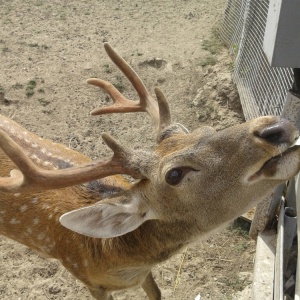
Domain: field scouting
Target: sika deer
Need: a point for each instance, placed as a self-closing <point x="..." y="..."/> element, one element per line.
<point x="188" y="186"/>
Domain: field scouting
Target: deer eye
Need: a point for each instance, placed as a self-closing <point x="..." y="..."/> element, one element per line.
<point x="174" y="176"/>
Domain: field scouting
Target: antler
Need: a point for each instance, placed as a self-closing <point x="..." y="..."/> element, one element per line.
<point x="30" y="177"/>
<point x="159" y="111"/>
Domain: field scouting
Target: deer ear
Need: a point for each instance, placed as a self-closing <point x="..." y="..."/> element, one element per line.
<point x="106" y="220"/>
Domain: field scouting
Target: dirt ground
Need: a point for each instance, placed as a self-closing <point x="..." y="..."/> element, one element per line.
<point x="47" y="51"/>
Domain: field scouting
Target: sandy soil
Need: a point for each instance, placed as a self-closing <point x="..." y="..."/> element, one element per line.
<point x="48" y="50"/>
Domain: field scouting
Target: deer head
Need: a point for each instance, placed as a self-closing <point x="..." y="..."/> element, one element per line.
<point x="204" y="178"/>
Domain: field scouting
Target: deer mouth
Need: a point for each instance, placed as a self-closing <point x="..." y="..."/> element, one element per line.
<point x="282" y="165"/>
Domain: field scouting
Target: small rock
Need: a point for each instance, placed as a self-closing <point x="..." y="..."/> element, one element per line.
<point x="161" y="80"/>
<point x="245" y="276"/>
<point x="54" y="289"/>
<point x="88" y="66"/>
<point x="154" y="62"/>
<point x="167" y="279"/>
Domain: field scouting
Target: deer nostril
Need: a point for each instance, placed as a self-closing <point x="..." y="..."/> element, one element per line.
<point x="272" y="134"/>
<point x="277" y="133"/>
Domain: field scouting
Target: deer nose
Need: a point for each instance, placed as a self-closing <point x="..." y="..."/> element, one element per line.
<point x="281" y="132"/>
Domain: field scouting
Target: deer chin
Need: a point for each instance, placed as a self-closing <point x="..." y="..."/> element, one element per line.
<point x="280" y="167"/>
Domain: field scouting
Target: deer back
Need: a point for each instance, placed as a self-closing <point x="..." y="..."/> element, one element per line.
<point x="33" y="218"/>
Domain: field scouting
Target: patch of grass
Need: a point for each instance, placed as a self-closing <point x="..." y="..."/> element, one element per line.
<point x="2" y="94"/>
<point x="208" y="61"/>
<point x="214" y="44"/>
<point x="236" y="283"/>
<point x="29" y="90"/>
<point x="235" y="49"/>
<point x="62" y="17"/>
<point x="17" y="86"/>
<point x="107" y="68"/>
<point x="42" y="91"/>
<point x="119" y="84"/>
<point x="34" y="45"/>
<point x="47" y="112"/>
<point x="43" y="101"/>
<point x="241" y="227"/>
<point x="241" y="247"/>
<point x="211" y="45"/>
<point x="231" y="66"/>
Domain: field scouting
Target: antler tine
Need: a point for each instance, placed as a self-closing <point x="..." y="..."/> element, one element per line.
<point x="131" y="75"/>
<point x="164" y="110"/>
<point x="124" y="105"/>
<point x="121" y="104"/>
<point x="30" y="177"/>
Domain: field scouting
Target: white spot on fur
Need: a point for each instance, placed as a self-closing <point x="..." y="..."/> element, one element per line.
<point x="23" y="208"/>
<point x="36" y="221"/>
<point x="18" y="136"/>
<point x="46" y="163"/>
<point x="34" y="157"/>
<point x="34" y="145"/>
<point x="45" y="249"/>
<point x="75" y="266"/>
<point x="17" y="195"/>
<point x="85" y="263"/>
<point x="14" y="221"/>
<point x="12" y="131"/>
<point x="41" y="236"/>
<point x="29" y="230"/>
<point x="34" y="200"/>
<point x="45" y="206"/>
<point x="43" y="150"/>
<point x="52" y="245"/>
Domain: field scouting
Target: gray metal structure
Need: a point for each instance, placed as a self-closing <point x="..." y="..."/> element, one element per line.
<point x="266" y="90"/>
<point x="262" y="88"/>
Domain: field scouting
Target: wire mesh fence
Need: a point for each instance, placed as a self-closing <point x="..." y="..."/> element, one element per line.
<point x="262" y="88"/>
